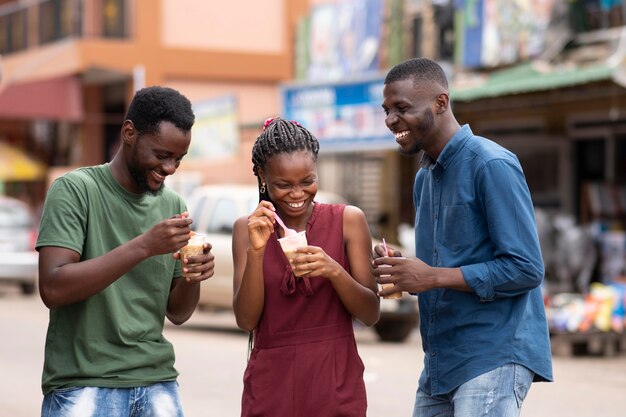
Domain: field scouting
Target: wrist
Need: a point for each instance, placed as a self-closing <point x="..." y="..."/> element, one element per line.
<point x="138" y="248"/>
<point x="254" y="252"/>
<point x="333" y="275"/>
<point x="436" y="278"/>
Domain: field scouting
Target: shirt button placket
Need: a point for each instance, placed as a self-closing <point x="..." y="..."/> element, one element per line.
<point x="436" y="199"/>
<point x="432" y="342"/>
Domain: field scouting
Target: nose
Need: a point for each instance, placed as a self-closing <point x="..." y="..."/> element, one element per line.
<point x="169" y="166"/>
<point x="390" y="120"/>
<point x="296" y="191"/>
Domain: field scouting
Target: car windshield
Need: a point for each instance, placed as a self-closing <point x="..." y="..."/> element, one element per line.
<point x="225" y="213"/>
<point x="13" y="215"/>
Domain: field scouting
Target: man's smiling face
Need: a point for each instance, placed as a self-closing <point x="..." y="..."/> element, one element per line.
<point x="409" y="114"/>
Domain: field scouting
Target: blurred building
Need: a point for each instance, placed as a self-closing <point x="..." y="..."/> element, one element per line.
<point x="548" y="83"/>
<point x="542" y="77"/>
<point x="70" y="67"/>
<point x="545" y="78"/>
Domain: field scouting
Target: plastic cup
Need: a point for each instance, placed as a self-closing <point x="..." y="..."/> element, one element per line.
<point x="194" y="247"/>
<point x="392" y="296"/>
<point x="289" y="244"/>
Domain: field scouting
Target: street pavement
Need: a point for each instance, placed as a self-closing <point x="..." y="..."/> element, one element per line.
<point x="211" y="357"/>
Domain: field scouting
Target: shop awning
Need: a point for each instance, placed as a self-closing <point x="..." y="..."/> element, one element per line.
<point x="16" y="165"/>
<point x="526" y="78"/>
<point x="57" y="98"/>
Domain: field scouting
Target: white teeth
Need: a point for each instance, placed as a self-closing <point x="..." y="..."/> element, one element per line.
<point x="296" y="205"/>
<point x="159" y="176"/>
<point x="400" y="135"/>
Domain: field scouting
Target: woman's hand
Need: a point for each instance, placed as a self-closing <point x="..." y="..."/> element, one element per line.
<point x="314" y="260"/>
<point x="261" y="225"/>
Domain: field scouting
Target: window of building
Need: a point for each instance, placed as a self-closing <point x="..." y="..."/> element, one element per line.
<point x="113" y="19"/>
<point x="590" y="15"/>
<point x="59" y="19"/>
<point x="13" y="34"/>
<point x="542" y="161"/>
<point x="416" y="28"/>
<point x="444" y="17"/>
<point x="620" y="159"/>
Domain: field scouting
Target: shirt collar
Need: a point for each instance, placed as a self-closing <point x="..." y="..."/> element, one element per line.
<point x="451" y="149"/>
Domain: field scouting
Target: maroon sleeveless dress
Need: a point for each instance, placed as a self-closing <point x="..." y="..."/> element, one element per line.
<point x="305" y="362"/>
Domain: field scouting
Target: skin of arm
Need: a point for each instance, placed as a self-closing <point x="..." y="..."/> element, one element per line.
<point x="413" y="275"/>
<point x="250" y="237"/>
<point x="357" y="292"/>
<point x="61" y="273"/>
<point x="185" y="293"/>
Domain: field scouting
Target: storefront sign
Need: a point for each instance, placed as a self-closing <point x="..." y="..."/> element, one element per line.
<point x="344" y="116"/>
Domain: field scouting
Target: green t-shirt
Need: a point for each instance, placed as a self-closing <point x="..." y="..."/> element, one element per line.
<point x="114" y="338"/>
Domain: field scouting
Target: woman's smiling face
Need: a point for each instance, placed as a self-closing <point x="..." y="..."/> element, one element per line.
<point x="291" y="181"/>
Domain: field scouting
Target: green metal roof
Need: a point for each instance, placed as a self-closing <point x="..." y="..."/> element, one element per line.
<point x="524" y="78"/>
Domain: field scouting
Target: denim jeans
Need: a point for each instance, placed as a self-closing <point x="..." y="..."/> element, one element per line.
<point x="158" y="400"/>
<point x="497" y="393"/>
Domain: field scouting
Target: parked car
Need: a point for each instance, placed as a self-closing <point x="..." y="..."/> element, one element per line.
<point x="18" y="258"/>
<point x="214" y="209"/>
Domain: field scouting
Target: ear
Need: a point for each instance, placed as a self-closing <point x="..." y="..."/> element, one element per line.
<point x="442" y="102"/>
<point x="129" y="133"/>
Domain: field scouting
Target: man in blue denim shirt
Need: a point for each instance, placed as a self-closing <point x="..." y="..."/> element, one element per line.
<point x="478" y="268"/>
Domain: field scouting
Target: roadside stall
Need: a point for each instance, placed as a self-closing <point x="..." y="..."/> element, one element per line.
<point x="586" y="274"/>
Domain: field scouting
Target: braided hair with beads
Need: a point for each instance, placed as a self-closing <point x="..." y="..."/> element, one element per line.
<point x="280" y="136"/>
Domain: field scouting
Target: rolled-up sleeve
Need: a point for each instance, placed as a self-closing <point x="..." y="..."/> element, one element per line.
<point x="517" y="265"/>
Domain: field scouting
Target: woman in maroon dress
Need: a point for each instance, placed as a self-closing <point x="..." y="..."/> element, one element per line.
<point x="304" y="362"/>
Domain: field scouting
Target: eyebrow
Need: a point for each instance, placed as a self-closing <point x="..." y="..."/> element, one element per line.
<point x="166" y="152"/>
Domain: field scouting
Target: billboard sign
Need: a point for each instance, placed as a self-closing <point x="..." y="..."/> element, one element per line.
<point x="344" y="39"/>
<point x="344" y="116"/>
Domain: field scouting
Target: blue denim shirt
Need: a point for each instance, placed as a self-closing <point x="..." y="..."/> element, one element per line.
<point x="473" y="211"/>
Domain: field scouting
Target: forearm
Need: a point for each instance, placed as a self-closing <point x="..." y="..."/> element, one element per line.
<point x="183" y="300"/>
<point x="248" y="300"/>
<point x="414" y="276"/>
<point x="451" y="278"/>
<point x="68" y="283"/>
<point x="362" y="302"/>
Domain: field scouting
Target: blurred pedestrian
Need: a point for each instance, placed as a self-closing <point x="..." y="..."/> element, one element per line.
<point x="478" y="268"/>
<point x="305" y="360"/>
<point x="108" y="275"/>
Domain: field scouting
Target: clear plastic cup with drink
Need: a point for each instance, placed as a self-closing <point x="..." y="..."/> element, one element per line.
<point x="395" y="295"/>
<point x="289" y="244"/>
<point x="194" y="247"/>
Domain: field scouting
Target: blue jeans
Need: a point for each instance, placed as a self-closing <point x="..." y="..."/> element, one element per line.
<point x="497" y="393"/>
<point x="158" y="400"/>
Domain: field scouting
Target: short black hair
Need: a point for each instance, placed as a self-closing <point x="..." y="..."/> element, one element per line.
<point x="419" y="69"/>
<point x="152" y="105"/>
<point x="280" y="136"/>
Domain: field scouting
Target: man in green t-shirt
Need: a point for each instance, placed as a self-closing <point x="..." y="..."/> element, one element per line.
<point x="108" y="275"/>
